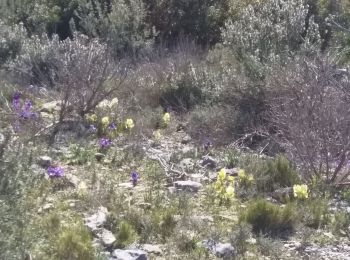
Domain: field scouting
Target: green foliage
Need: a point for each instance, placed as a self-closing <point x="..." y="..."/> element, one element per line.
<point x="78" y="155"/>
<point x="12" y="40"/>
<point x="164" y="221"/>
<point x="74" y="243"/>
<point x="239" y="238"/>
<point x="125" y="234"/>
<point x="276" y="173"/>
<point x="232" y="159"/>
<point x="183" y="92"/>
<point x="121" y="24"/>
<point x="267" y="33"/>
<point x="340" y="223"/>
<point x="186" y="243"/>
<point x="268" y="246"/>
<point x="268" y="218"/>
<point x="195" y="19"/>
<point x="315" y="213"/>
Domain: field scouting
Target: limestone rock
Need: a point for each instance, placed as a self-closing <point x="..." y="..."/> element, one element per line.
<point x="209" y="162"/>
<point x="107" y="237"/>
<point x="44" y="161"/>
<point x="96" y="220"/>
<point x="134" y="254"/>
<point x="152" y="249"/>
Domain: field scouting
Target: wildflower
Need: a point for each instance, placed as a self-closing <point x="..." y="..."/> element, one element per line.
<point x="230" y="191"/>
<point x="105" y="143"/>
<point x="103" y="104"/>
<point x="129" y="123"/>
<point x="92" y="129"/>
<point x="16" y="101"/>
<point x="26" y="112"/>
<point x="207" y="144"/>
<point x="91" y="118"/>
<point x="134" y="177"/>
<point x="166" y="118"/>
<point x="113" y="102"/>
<point x="157" y="135"/>
<point x="241" y="174"/>
<point x="55" y="171"/>
<point x="222" y="174"/>
<point x="82" y="188"/>
<point x="112" y="126"/>
<point x="301" y="191"/>
<point x="108" y="104"/>
<point x="231" y="179"/>
<point x="105" y="121"/>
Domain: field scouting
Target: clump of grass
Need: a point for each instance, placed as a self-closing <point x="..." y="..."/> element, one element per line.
<point x="74" y="243"/>
<point x="315" y="212"/>
<point x="269" y="247"/>
<point x="239" y="238"/>
<point x="126" y="234"/>
<point x="271" y="174"/>
<point x="268" y="218"/>
<point x="340" y="223"/>
<point x="164" y="221"/>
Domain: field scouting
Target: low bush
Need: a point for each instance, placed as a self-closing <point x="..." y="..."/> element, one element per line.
<point x="268" y="218"/>
<point x="315" y="213"/>
<point x="276" y="173"/>
<point x="74" y="243"/>
<point x="126" y="234"/>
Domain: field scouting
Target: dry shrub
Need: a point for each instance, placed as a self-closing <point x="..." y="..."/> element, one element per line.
<point x="310" y="104"/>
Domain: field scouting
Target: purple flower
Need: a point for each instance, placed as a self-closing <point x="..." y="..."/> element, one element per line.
<point x="92" y="129"/>
<point x="27" y="112"/>
<point x="207" y="144"/>
<point x="134" y="177"/>
<point x="55" y="171"/>
<point x="16" y="100"/>
<point x="112" y="126"/>
<point x="105" y="143"/>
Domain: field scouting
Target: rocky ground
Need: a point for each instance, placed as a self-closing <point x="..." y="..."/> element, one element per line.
<point x="189" y="169"/>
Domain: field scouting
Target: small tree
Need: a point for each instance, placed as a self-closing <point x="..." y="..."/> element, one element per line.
<point x="310" y="105"/>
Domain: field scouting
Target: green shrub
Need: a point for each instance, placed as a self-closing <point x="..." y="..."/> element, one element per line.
<point x="78" y="155"/>
<point x="125" y="234"/>
<point x="268" y="218"/>
<point x="164" y="221"/>
<point x="341" y="223"/>
<point x="276" y="173"/>
<point x="239" y="238"/>
<point x="315" y="213"/>
<point x="199" y="20"/>
<point x="12" y="40"/>
<point x="74" y="243"/>
<point x="121" y="24"/>
<point x="268" y="33"/>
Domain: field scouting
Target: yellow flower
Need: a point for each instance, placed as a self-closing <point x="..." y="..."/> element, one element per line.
<point x="166" y="118"/>
<point x="91" y="118"/>
<point x="222" y="174"/>
<point x="103" y="104"/>
<point x="129" y="123"/>
<point x="301" y="191"/>
<point x="230" y="191"/>
<point x="231" y="179"/>
<point x="107" y="104"/>
<point x="250" y="178"/>
<point x="241" y="174"/>
<point x="113" y="102"/>
<point x="157" y="135"/>
<point x="82" y="188"/>
<point x="105" y="121"/>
